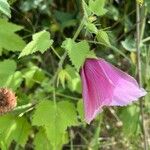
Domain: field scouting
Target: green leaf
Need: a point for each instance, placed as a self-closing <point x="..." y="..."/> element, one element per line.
<point x="41" y="141"/>
<point x="12" y="128"/>
<point x="86" y="9"/>
<point x="40" y="42"/>
<point x="14" y="80"/>
<point x="113" y="12"/>
<point x="130" y="118"/>
<point x="140" y="2"/>
<point x="74" y="83"/>
<point x="7" y="68"/>
<point x="33" y="75"/>
<point x="55" y="119"/>
<point x="5" y="8"/>
<point x="77" y="52"/>
<point x="91" y="27"/>
<point x="129" y="44"/>
<point x="22" y="131"/>
<point x="97" y="7"/>
<point x="10" y="41"/>
<point x="103" y="38"/>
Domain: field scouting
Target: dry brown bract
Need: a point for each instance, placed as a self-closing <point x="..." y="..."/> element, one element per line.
<point x="7" y="100"/>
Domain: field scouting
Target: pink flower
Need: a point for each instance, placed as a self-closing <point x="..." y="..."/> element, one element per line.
<point x="105" y="85"/>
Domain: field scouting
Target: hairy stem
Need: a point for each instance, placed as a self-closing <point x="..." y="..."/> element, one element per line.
<point x="139" y="72"/>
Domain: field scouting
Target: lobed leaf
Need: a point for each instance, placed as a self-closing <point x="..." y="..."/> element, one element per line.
<point x="55" y="119"/>
<point x="97" y="7"/>
<point x="77" y="52"/>
<point x="40" y="42"/>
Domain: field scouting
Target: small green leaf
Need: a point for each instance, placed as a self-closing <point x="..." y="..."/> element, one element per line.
<point x="77" y="52"/>
<point x="103" y="38"/>
<point x="7" y="68"/>
<point x="10" y="41"/>
<point x="40" y="42"/>
<point x="129" y="44"/>
<point x="5" y="8"/>
<point x="91" y="27"/>
<point x="97" y="7"/>
<point x="140" y="2"/>
<point x="55" y="119"/>
<point x="62" y="77"/>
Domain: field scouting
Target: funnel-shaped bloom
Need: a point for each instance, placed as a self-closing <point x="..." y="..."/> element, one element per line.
<point x="106" y="85"/>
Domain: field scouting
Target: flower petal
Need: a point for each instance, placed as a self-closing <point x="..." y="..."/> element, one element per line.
<point x="97" y="88"/>
<point x="126" y="87"/>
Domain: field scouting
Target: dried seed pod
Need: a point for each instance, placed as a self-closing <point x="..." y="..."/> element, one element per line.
<point x="7" y="100"/>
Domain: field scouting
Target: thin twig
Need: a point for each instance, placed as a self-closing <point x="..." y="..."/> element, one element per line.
<point x="139" y="72"/>
<point x="55" y="52"/>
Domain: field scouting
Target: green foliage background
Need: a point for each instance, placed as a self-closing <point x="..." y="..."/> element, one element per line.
<point x="43" y="45"/>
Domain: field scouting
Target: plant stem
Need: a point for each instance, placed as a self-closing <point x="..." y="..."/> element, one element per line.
<point x="113" y="48"/>
<point x="143" y="21"/>
<point x="146" y="39"/>
<point x="54" y="97"/>
<point x="62" y="59"/>
<point x="139" y="72"/>
<point x="55" y="52"/>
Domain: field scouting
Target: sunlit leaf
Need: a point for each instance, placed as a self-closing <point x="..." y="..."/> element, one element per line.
<point x="55" y="119"/>
<point x="40" y="42"/>
<point x="41" y="141"/>
<point x="7" y="68"/>
<point x="10" y="40"/>
<point x="5" y="8"/>
<point x="103" y="38"/>
<point x="91" y="27"/>
<point x="97" y="7"/>
<point x="13" y="128"/>
<point x="77" y="52"/>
